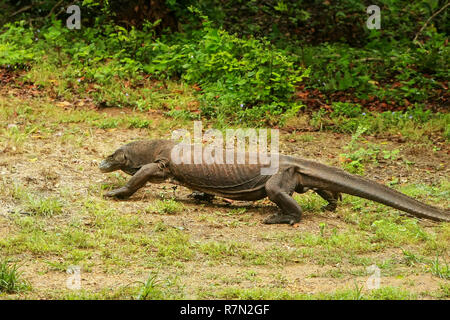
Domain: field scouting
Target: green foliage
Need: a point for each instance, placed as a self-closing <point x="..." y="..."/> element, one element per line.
<point x="44" y="206"/>
<point x="238" y="78"/>
<point x="158" y="289"/>
<point x="246" y="58"/>
<point x="108" y="123"/>
<point x="356" y="156"/>
<point x="441" y="270"/>
<point x="167" y="206"/>
<point x="317" y="20"/>
<point x="136" y="122"/>
<point x="16" y="45"/>
<point x="342" y="53"/>
<point x="412" y="123"/>
<point x="151" y="289"/>
<point x="10" y="281"/>
<point x="235" y="75"/>
<point x="346" y="109"/>
<point x="339" y="67"/>
<point x="36" y="204"/>
<point x="397" y="234"/>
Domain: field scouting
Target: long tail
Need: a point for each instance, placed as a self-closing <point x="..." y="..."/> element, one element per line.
<point x="318" y="175"/>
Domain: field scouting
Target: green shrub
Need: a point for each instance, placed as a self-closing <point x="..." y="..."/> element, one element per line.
<point x="233" y="75"/>
<point x="16" y="45"/>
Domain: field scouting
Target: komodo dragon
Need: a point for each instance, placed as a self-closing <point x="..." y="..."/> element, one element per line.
<point x="150" y="161"/>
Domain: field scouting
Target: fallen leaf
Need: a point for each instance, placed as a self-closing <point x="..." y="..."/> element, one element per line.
<point x="63" y="104"/>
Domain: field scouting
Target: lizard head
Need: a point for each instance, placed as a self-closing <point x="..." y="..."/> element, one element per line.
<point x="130" y="157"/>
<point x="119" y="160"/>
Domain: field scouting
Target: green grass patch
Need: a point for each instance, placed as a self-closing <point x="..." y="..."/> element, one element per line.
<point x="10" y="278"/>
<point x="166" y="206"/>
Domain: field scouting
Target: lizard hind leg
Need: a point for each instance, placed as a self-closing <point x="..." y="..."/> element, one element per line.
<point x="331" y="197"/>
<point x="279" y="189"/>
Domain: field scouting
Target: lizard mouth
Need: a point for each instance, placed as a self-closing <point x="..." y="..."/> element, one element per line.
<point x="105" y="166"/>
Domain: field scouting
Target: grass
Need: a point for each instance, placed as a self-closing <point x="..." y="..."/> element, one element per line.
<point x="32" y="204"/>
<point x="386" y="293"/>
<point x="150" y="289"/>
<point x="411" y="128"/>
<point x="10" y="278"/>
<point x="158" y="289"/>
<point x="440" y="269"/>
<point x="167" y="206"/>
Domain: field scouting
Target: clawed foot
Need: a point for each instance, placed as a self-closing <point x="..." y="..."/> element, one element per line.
<point x="121" y="193"/>
<point x="282" y="219"/>
<point x="201" y="196"/>
<point x="329" y="207"/>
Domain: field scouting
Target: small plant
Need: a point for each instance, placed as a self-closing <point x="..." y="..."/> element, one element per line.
<point x="138" y="123"/>
<point x="440" y="270"/>
<point x="167" y="206"/>
<point x="42" y="206"/>
<point x="355" y="137"/>
<point x="108" y="123"/>
<point x="35" y="204"/>
<point x="151" y="289"/>
<point x="182" y="114"/>
<point x="358" y="294"/>
<point x="317" y="119"/>
<point x="346" y="109"/>
<point x="410" y="258"/>
<point x="391" y="154"/>
<point x="10" y="278"/>
<point x="322" y="227"/>
<point x="356" y="156"/>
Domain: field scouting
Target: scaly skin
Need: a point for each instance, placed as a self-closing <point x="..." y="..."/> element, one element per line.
<point x="150" y="161"/>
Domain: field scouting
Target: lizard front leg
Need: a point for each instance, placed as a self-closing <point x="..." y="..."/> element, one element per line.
<point x="151" y="172"/>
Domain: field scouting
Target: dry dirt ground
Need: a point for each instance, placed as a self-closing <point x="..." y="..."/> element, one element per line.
<point x="49" y="151"/>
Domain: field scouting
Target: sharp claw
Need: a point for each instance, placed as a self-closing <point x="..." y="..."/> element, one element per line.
<point x="281" y="219"/>
<point x="117" y="193"/>
<point x="329" y="207"/>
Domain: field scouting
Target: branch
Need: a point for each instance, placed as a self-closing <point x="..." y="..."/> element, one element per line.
<point x="429" y="19"/>
<point x="53" y="9"/>
<point x="59" y="3"/>
<point x="26" y="8"/>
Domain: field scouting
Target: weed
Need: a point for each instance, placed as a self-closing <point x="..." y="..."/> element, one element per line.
<point x="166" y="206"/>
<point x="151" y="289"/>
<point x="10" y="281"/>
<point x="440" y="270"/>
<point x="42" y="206"/>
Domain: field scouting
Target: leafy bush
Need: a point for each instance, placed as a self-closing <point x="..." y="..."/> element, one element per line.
<point x="245" y="69"/>
<point x="232" y="74"/>
<point x="346" y="109"/>
<point x="16" y="45"/>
